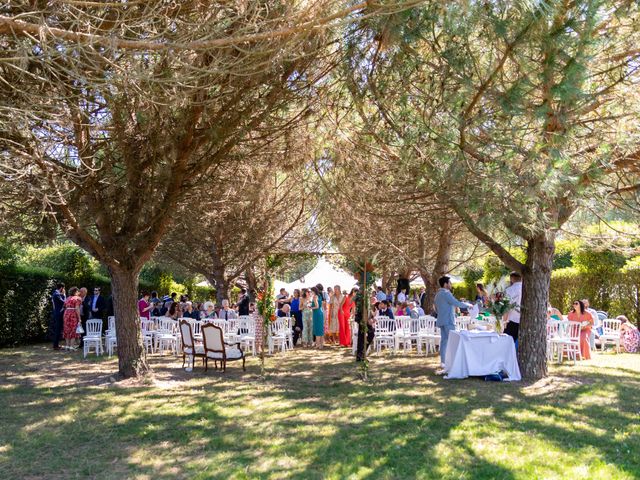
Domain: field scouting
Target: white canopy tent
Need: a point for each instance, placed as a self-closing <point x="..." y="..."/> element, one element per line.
<point x="325" y="273"/>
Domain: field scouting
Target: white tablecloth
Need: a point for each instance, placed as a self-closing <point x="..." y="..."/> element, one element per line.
<point x="471" y="353"/>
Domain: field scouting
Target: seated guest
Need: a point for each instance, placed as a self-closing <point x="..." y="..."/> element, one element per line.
<point x="553" y="313"/>
<point x="414" y="312"/>
<point x="225" y="312"/>
<point x="403" y="310"/>
<point x="285" y="311"/>
<point x="157" y="304"/>
<point x="579" y="314"/>
<point x="464" y="310"/>
<point x="190" y="312"/>
<point x="209" y="311"/>
<point x="174" y="311"/>
<point x="252" y="308"/>
<point x="629" y="335"/>
<point x="385" y="310"/>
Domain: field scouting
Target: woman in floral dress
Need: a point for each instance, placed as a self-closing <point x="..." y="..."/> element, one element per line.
<point x="629" y="335"/>
<point x="71" y="317"/>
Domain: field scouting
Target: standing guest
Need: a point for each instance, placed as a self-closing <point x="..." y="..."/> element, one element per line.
<point x="226" y="313"/>
<point x="296" y="313"/>
<point x="209" y="311"/>
<point x="190" y="312"/>
<point x="422" y="299"/>
<point x="144" y="307"/>
<point x="333" y="325"/>
<point x="629" y="335"/>
<point x="482" y="297"/>
<point x="95" y="304"/>
<point x="579" y="314"/>
<point x="243" y="302"/>
<point x="445" y="304"/>
<point x="344" y="319"/>
<point x="596" y="323"/>
<point x="512" y="317"/>
<point x="57" y="301"/>
<point x="385" y="310"/>
<point x="110" y="310"/>
<point x="318" y="317"/>
<point x="380" y="295"/>
<point x="282" y="298"/>
<point x="93" y="307"/>
<point x="306" y="299"/>
<point x="169" y="301"/>
<point x="72" y="312"/>
<point x="389" y="296"/>
<point x="402" y="297"/>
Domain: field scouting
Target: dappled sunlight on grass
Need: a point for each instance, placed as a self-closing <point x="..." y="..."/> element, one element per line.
<point x="312" y="417"/>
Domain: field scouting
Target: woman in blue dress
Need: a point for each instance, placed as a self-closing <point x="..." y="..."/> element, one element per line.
<point x="318" y="318"/>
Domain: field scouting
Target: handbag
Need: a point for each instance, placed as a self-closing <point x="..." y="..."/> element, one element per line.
<point x="79" y="329"/>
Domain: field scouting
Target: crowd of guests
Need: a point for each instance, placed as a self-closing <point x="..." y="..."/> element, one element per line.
<point x="71" y="310"/>
<point x="172" y="306"/>
<point x="320" y="316"/>
<point x="324" y="316"/>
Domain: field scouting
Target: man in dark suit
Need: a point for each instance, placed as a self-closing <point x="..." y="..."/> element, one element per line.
<point x="243" y="304"/>
<point x="95" y="304"/>
<point x="57" y="300"/>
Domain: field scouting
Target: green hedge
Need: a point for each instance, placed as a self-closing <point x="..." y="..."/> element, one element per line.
<point x="616" y="292"/>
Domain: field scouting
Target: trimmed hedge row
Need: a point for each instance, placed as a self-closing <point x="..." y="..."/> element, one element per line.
<point x="25" y="306"/>
<point x="617" y="293"/>
<point x="25" y="299"/>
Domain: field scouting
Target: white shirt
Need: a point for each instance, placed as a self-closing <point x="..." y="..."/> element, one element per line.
<point x="514" y="292"/>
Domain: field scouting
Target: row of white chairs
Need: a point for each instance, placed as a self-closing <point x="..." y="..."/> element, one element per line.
<point x="563" y="338"/>
<point x="93" y="339"/>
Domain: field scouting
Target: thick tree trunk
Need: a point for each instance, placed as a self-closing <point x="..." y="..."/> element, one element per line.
<point x="440" y="267"/>
<point x="222" y="288"/>
<point x="131" y="354"/>
<point x="532" y="344"/>
<point x="252" y="283"/>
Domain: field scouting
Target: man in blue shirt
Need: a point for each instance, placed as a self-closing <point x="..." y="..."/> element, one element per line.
<point x="445" y="304"/>
<point x="380" y="295"/>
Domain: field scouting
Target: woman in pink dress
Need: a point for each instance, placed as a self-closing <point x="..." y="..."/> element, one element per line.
<point x="629" y="335"/>
<point x="579" y="314"/>
<point x="344" y="318"/>
<point x="71" y="317"/>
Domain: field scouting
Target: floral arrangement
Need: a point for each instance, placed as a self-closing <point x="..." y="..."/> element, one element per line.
<point x="499" y="304"/>
<point x="264" y="302"/>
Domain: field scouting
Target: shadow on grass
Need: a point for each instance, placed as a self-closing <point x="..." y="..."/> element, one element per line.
<point x="312" y="418"/>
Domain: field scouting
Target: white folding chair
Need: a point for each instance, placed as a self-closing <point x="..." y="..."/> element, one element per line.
<point x="277" y="335"/>
<point x="462" y="323"/>
<point x="247" y="333"/>
<point x="552" y="333"/>
<point x="147" y="328"/>
<point x="93" y="337"/>
<point x="610" y="333"/>
<point x="567" y="341"/>
<point x="428" y="334"/>
<point x="166" y="339"/>
<point x="404" y="335"/>
<point x="384" y="334"/>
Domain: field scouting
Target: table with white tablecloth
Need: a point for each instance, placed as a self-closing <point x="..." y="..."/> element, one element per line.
<point x="478" y="353"/>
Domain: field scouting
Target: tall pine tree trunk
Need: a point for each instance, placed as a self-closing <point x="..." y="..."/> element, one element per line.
<point x="131" y="354"/>
<point x="532" y="344"/>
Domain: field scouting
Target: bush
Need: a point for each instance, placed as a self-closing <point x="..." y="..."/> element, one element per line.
<point x="67" y="259"/>
<point x="617" y="293"/>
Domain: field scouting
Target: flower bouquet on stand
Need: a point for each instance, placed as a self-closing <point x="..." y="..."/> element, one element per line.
<point x="499" y="304"/>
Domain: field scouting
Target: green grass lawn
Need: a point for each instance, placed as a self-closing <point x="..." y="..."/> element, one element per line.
<point x="63" y="417"/>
